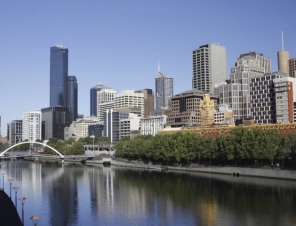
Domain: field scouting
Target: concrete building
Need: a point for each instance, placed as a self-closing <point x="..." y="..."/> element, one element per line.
<point x="72" y="95"/>
<point x="283" y="59"/>
<point x="103" y="107"/>
<point x="112" y="125"/>
<point x="236" y="92"/>
<point x="209" y="67"/>
<point x="150" y="125"/>
<point x="128" y="98"/>
<point x="222" y="114"/>
<point x="132" y="123"/>
<point x="164" y="90"/>
<point x="148" y="101"/>
<point x="104" y="95"/>
<point x="54" y="120"/>
<point x="96" y="130"/>
<point x="32" y="126"/>
<point x="262" y="97"/>
<point x="80" y="128"/>
<point x="285" y="99"/>
<point x="292" y="68"/>
<point x="186" y="108"/>
<point x="15" y="132"/>
<point x="93" y="98"/>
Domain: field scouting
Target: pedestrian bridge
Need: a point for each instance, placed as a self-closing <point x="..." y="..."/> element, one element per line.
<point x="2" y="155"/>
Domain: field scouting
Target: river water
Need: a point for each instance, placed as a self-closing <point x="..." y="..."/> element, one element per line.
<point x="96" y="195"/>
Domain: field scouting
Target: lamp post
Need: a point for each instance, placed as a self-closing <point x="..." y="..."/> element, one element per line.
<point x="3" y="181"/>
<point x="35" y="220"/>
<point x="93" y="137"/>
<point x="15" y="201"/>
<point x="23" y="199"/>
<point x="10" y="181"/>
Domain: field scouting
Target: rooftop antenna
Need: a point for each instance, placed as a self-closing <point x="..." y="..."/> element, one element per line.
<point x="282" y="41"/>
<point x="158" y="66"/>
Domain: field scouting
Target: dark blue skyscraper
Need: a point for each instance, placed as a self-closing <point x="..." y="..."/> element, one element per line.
<point x="58" y="76"/>
<point x="72" y="96"/>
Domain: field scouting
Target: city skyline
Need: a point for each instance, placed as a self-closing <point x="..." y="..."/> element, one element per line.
<point x="117" y="45"/>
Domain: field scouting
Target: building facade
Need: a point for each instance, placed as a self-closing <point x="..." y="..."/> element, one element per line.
<point x="93" y="98"/>
<point x="58" y="76"/>
<point x="72" y="89"/>
<point x="54" y="121"/>
<point x="164" y="90"/>
<point x="148" y="101"/>
<point x="15" y="132"/>
<point x="129" y="125"/>
<point x="31" y="126"/>
<point x="150" y="125"/>
<point x="292" y="68"/>
<point x="209" y="67"/>
<point x="105" y="95"/>
<point x="186" y="108"/>
<point x="103" y="107"/>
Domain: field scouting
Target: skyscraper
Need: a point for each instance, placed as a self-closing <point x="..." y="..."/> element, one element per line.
<point x="209" y="67"/>
<point x="93" y="98"/>
<point x="72" y="89"/>
<point x="58" y="76"/>
<point x="163" y="92"/>
<point x="31" y="126"/>
<point x="148" y="101"/>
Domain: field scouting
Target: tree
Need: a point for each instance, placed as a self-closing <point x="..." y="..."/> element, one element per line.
<point x="256" y="144"/>
<point x="272" y="144"/>
<point x="77" y="149"/>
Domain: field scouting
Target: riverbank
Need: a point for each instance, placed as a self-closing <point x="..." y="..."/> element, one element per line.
<point x="235" y="171"/>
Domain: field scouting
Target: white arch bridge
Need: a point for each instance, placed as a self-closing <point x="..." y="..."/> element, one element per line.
<point x="31" y="142"/>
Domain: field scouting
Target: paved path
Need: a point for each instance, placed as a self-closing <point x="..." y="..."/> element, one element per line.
<point x="8" y="212"/>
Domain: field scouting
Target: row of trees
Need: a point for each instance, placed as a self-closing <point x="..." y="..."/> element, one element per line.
<point x="240" y="146"/>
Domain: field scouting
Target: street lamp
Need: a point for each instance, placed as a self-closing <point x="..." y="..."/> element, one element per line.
<point x="3" y="181"/>
<point x="93" y="137"/>
<point x="10" y="181"/>
<point x="15" y="201"/>
<point x="23" y="199"/>
<point x="35" y="220"/>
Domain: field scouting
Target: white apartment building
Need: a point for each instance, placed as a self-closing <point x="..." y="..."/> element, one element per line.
<point x="209" y="67"/>
<point x="128" y="98"/>
<point x="103" y="96"/>
<point x="79" y="128"/>
<point x="31" y="126"/>
<point x="151" y="125"/>
<point x="103" y="107"/>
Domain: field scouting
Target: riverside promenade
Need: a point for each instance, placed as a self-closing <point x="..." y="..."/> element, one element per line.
<point x="8" y="212"/>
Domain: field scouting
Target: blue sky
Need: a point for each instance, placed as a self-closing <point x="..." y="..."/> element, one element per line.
<point x="118" y="43"/>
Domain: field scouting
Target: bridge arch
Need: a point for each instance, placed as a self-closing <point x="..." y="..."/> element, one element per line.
<point x="29" y="142"/>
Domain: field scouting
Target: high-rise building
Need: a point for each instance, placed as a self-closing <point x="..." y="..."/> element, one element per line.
<point x="58" y="76"/>
<point x="54" y="120"/>
<point x="148" y="101"/>
<point x="93" y="98"/>
<point x="209" y="67"/>
<point x="15" y="132"/>
<point x="128" y="98"/>
<point x="292" y="67"/>
<point x="163" y="92"/>
<point x="31" y="126"/>
<point x="112" y="125"/>
<point x="105" y="95"/>
<point x="72" y="89"/>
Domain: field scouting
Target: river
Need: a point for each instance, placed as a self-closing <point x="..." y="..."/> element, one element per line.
<point x="96" y="195"/>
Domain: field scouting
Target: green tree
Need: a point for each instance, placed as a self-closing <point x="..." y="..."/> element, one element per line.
<point x="77" y="149"/>
<point x="272" y="144"/>
<point x="256" y="143"/>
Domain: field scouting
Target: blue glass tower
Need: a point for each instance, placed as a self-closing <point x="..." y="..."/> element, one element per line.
<point x="58" y="76"/>
<point x="72" y="96"/>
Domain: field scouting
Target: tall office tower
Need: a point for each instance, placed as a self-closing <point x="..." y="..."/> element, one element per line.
<point x="237" y="92"/>
<point x="93" y="98"/>
<point x="209" y="67"/>
<point x="54" y="120"/>
<point x="292" y="67"/>
<point x="103" y="96"/>
<point x="31" y="126"/>
<point x="15" y="132"/>
<point x="283" y="59"/>
<point x="58" y="76"/>
<point x="148" y="101"/>
<point x="72" y="88"/>
<point x="128" y="98"/>
<point x="163" y="91"/>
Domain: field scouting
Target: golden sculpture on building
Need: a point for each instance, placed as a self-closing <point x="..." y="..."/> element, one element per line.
<point x="207" y="110"/>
